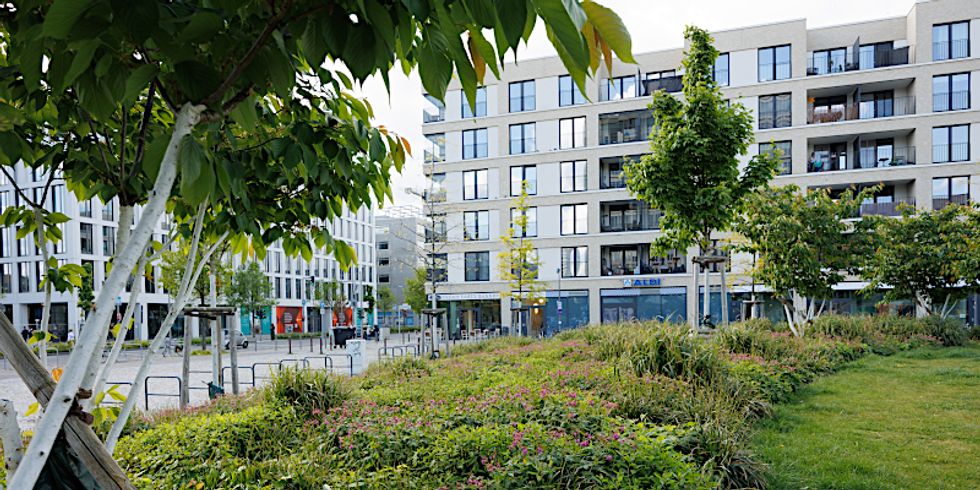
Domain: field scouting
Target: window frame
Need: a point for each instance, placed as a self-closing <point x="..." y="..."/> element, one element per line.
<point x="481" y="258"/>
<point x="573" y="164"/>
<point x="774" y="71"/>
<point x="476" y="226"/>
<point x="464" y="107"/>
<point x="728" y="70"/>
<point x="475" y="146"/>
<point x="612" y="81"/>
<point x="526" y="145"/>
<point x="532" y="184"/>
<point x="476" y="173"/>
<point x="775" y="111"/>
<point x="579" y="256"/>
<point x="575" y="96"/>
<point x="528" y="231"/>
<point x="577" y="133"/>
<point x="576" y="220"/>
<point x="949" y="91"/>
<point x="787" y="158"/>
<point x="523" y="97"/>
<point x="948" y="142"/>
<point x="949" y="40"/>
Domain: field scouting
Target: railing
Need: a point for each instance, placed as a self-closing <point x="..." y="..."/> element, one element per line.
<point x="892" y="208"/>
<point x="669" y="84"/>
<point x="939" y="202"/>
<point x="956" y="152"/>
<point x="870" y="157"/>
<point x="431" y="116"/>
<point x="433" y="156"/>
<point x="863" y="61"/>
<point x="629" y="220"/>
<point x="644" y="269"/>
<point x="896" y="106"/>
<point x="951" y="101"/>
<point x="949" y="50"/>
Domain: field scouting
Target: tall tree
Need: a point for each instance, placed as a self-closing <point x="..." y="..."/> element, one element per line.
<point x="931" y="258"/>
<point x="386" y="299"/>
<point x="692" y="172"/>
<point x="805" y="245"/>
<point x="250" y="290"/>
<point x="519" y="263"/>
<point x="415" y="290"/>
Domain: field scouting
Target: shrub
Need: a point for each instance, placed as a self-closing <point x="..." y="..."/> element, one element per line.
<point x="948" y="331"/>
<point x="655" y="349"/>
<point x="308" y="390"/>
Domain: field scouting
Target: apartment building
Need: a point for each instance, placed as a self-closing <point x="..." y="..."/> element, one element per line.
<point x="400" y="241"/>
<point x="894" y="102"/>
<point x="90" y="239"/>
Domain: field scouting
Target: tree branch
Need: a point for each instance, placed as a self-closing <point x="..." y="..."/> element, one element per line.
<point x="144" y="124"/>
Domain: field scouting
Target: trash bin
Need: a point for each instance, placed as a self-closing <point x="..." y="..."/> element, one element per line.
<point x="341" y="335"/>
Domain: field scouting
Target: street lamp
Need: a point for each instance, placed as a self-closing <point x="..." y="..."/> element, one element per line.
<point x="558" y="270"/>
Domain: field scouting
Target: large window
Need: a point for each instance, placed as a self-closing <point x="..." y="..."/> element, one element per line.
<point x="481" y="104"/>
<point x="720" y="71"/>
<point x="575" y="261"/>
<point x="575" y="219"/>
<point x="23" y="277"/>
<point x="108" y="241"/>
<point x="951" y="41"/>
<point x="475" y="184"/>
<point x="437" y="265"/>
<point x="108" y="211"/>
<point x="438" y="191"/>
<point x="435" y="150"/>
<point x="571" y="132"/>
<point x="620" y="88"/>
<point x="6" y="278"/>
<point x="783" y="150"/>
<point x="775" y="111"/>
<point x="951" y="143"/>
<point x="774" y="63"/>
<point x="828" y="61"/>
<point x="86" y="238"/>
<point x="477" y="266"/>
<point x="476" y="225"/>
<point x="521" y="174"/>
<point x="951" y="92"/>
<point x="573" y="176"/>
<point x="568" y="92"/>
<point x="530" y="229"/>
<point x="522" y="96"/>
<point x="522" y="138"/>
<point x="474" y="143"/>
<point x="433" y="111"/>
<point x="85" y="208"/>
<point x="950" y="190"/>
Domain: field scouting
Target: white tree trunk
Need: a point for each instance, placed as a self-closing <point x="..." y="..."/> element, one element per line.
<point x="92" y="336"/>
<point x="13" y="443"/>
<point x="42" y="344"/>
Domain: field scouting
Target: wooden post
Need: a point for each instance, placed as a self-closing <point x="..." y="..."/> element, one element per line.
<point x="79" y="435"/>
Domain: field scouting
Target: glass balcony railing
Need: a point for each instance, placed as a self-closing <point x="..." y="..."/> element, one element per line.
<point x="939" y="202"/>
<point x="949" y="50"/>
<point x="869" y="157"/>
<point x="945" y="153"/>
<point x="629" y="220"/>
<point x="624" y="127"/>
<point x="951" y="101"/>
<point x="884" y="208"/>
<point x="872" y="109"/>
<point x="845" y="59"/>
<point x="669" y="84"/>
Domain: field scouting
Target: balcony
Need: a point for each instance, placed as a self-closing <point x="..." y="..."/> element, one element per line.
<point x="831" y="160"/>
<point x="434" y="110"/>
<point x="628" y="216"/>
<point x="844" y="59"/>
<point x="624" y="127"/>
<point x="884" y="207"/>
<point x="872" y="109"/>
<point x="669" y="84"/>
<point x="634" y="260"/>
<point x="941" y="201"/>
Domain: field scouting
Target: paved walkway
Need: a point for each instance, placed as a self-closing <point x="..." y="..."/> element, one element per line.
<point x="264" y="355"/>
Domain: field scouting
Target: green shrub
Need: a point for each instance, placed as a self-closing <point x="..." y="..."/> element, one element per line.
<point x="310" y="391"/>
<point x="656" y="349"/>
<point x="948" y="331"/>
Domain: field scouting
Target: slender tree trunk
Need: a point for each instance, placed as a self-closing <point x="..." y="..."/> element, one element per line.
<point x="117" y="343"/>
<point x="42" y="344"/>
<point x="185" y="361"/>
<point x="13" y="443"/>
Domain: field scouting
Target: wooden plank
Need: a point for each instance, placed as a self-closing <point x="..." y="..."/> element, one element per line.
<point x="79" y="435"/>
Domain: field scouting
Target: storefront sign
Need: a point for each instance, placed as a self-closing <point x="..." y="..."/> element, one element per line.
<point x="648" y="282"/>
<point x="465" y="296"/>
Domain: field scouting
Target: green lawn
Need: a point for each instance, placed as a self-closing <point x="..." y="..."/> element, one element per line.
<point x="911" y="420"/>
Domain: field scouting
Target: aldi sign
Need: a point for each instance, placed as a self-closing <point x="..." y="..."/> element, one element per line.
<point x="641" y="283"/>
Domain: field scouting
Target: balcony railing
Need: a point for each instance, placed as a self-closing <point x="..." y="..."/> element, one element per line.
<point x="870" y="157"/>
<point x="434" y="156"/>
<point x="891" y="208"/>
<point x="956" y="152"/>
<point x="946" y="50"/>
<point x="951" y="101"/>
<point x="939" y="202"/>
<point x="669" y="84"/>
<point x="851" y="62"/>
<point x="629" y="220"/>
<point x="431" y="116"/>
<point x="897" y="106"/>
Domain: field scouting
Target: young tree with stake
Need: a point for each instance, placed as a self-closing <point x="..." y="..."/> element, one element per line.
<point x="519" y="261"/>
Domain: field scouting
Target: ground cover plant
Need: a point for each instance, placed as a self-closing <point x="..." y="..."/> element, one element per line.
<point x="611" y="406"/>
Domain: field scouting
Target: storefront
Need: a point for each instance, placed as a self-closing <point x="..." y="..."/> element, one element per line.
<point x="471" y="311"/>
<point x="289" y="319"/>
<point x="643" y="299"/>
<point x="573" y="313"/>
<point x="261" y="321"/>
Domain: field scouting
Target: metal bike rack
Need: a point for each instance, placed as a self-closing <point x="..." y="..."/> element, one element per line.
<point x="147" y="393"/>
<point x="303" y="362"/>
<point x="256" y="377"/>
<point x="350" y="362"/>
<point x="327" y="361"/>
<point x="199" y="371"/>
<point x="225" y="379"/>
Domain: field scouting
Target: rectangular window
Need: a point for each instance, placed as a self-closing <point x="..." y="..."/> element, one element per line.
<point x="522" y="138"/>
<point x="575" y="261"/>
<point x="521" y="174"/>
<point x="521" y="96"/>
<point x="951" y="143"/>
<point x="432" y="111"/>
<point x="85" y="208"/>
<point x="720" y="71"/>
<point x="4" y="243"/>
<point x="438" y="190"/>
<point x="474" y="184"/>
<point x="108" y="241"/>
<point x="827" y="61"/>
<point x="382" y="245"/>
<point x="289" y="288"/>
<point x="951" y="92"/>
<point x="474" y="143"/>
<point x="435" y="148"/>
<point x="951" y="41"/>
<point x="775" y="111"/>
<point x="783" y="150"/>
<point x="108" y="211"/>
<point x="620" y="88"/>
<point x="950" y="190"/>
<point x="23" y="277"/>
<point x="437" y="266"/>
<point x="573" y="176"/>
<point x="87" y="239"/>
<point x="477" y="266"/>
<point x="481" y="104"/>
<point x="574" y="219"/>
<point x="571" y="133"/>
<point x="530" y="229"/>
<point x="384" y="262"/>
<point x="568" y="92"/>
<point x="6" y="278"/>
<point x="774" y="63"/>
<point x="476" y="225"/>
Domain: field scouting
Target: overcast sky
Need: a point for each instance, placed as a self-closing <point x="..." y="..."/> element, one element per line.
<point x="653" y="25"/>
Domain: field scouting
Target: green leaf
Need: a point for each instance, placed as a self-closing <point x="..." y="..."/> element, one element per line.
<point x="196" y="174"/>
<point x="154" y="155"/>
<point x="137" y="81"/>
<point x="62" y="16"/>
<point x="565" y="18"/>
<point x="202" y="26"/>
<point x="115" y="394"/>
<point x="80" y="63"/>
<point x="380" y="20"/>
<point x="511" y="16"/>
<point x="32" y="409"/>
<point x="611" y="28"/>
<point x="196" y="79"/>
<point x="486" y="51"/>
<point x="138" y="17"/>
<point x="245" y="114"/>
<point x="435" y="70"/>
<point x="483" y="12"/>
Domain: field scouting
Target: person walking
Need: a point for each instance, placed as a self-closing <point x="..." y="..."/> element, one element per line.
<point x="24" y="332"/>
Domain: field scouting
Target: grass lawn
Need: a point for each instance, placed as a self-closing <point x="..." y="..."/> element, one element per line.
<point x="911" y="420"/>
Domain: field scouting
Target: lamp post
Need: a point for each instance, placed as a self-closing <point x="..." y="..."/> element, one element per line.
<point x="559" y="298"/>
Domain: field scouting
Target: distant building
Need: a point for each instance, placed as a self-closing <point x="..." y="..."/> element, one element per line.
<point x="400" y="233"/>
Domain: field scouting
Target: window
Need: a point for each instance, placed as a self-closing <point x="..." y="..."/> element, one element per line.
<point x="474" y="143"/>
<point x="6" y="278"/>
<point x="521" y="138"/>
<point x="384" y="262"/>
<point x="827" y="61"/>
<point x="23" y="277"/>
<point x="951" y="92"/>
<point x="571" y="132"/>
<point x="438" y="191"/>
<point x="568" y="92"/>
<point x="37" y="174"/>
<point x="951" y="41"/>
<point x="435" y="150"/>
<point x="477" y="266"/>
<point x="521" y="174"/>
<point x="433" y="111"/>
<point x="575" y="261"/>
<point x="522" y="96"/>
<point x="437" y="264"/>
<point x="108" y="241"/>
<point x="573" y="176"/>
<point x="529" y="229"/>
<point x="383" y="278"/>
<point x="620" y="88"/>
<point x="108" y="212"/>
<point x="783" y="150"/>
<point x="880" y="54"/>
<point x="87" y="240"/>
<point x="775" y="111"/>
<point x="950" y="190"/>
<point x="85" y="208"/>
<point x="481" y="104"/>
<point x="289" y="288"/>
<point x="39" y="270"/>
<point x="720" y="71"/>
<point x="951" y="143"/>
<point x="574" y="219"/>
<point x="381" y="246"/>
<point x="774" y="63"/>
<point x="474" y="184"/>
<point x="476" y="225"/>
<point x="880" y="104"/>
<point x="4" y="243"/>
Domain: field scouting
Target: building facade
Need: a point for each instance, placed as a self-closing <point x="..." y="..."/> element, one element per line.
<point x="400" y="238"/>
<point x="894" y="102"/>
<point x="90" y="240"/>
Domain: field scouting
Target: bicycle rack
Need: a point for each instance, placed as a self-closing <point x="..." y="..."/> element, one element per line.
<point x="225" y="379"/>
<point x="271" y="365"/>
<point x="304" y="362"/>
<point x="199" y="371"/>
<point x="327" y="361"/>
<point x="147" y="393"/>
<point x="350" y="362"/>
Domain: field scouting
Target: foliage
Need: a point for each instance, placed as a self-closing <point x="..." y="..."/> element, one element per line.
<point x="519" y="262"/>
<point x="172" y="267"/>
<point x="306" y="390"/>
<point x="415" y="292"/>
<point x="804" y="245"/>
<point x="250" y="289"/>
<point x="386" y="299"/>
<point x="931" y="258"/>
<point x="692" y="172"/>
<point x="86" y="293"/>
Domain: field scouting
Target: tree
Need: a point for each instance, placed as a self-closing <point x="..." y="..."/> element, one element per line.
<point x="415" y="290"/>
<point x="172" y="271"/>
<point x="519" y="261"/>
<point x="386" y="299"/>
<point x="86" y="295"/>
<point x="931" y="258"/>
<point x="250" y="290"/>
<point x="231" y="98"/>
<point x="804" y="245"/>
<point x="692" y="172"/>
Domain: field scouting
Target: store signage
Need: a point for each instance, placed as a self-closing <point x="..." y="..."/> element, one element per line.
<point x="641" y="283"/>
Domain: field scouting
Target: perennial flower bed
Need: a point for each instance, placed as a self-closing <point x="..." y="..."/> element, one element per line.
<point x="613" y="406"/>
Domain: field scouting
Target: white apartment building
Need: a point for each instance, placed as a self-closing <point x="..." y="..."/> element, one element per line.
<point x="893" y="101"/>
<point x="90" y="238"/>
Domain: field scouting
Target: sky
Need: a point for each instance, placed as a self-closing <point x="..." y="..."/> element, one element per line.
<point x="653" y="25"/>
